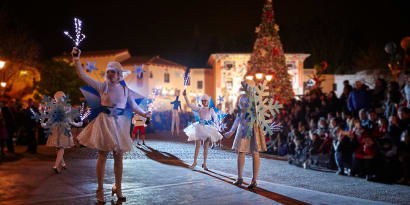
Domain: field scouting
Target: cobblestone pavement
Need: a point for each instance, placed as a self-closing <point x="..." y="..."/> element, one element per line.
<point x="168" y="150"/>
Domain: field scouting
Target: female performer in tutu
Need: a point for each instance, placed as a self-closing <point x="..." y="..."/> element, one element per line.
<point x="58" y="137"/>
<point x="246" y="144"/>
<point x="206" y="129"/>
<point x="110" y="130"/>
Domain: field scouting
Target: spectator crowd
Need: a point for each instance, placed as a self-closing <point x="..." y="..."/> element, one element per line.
<point x="363" y="132"/>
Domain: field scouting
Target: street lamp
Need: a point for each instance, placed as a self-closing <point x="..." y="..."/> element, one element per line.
<point x="2" y="64"/>
<point x="259" y="76"/>
<point x="269" y="76"/>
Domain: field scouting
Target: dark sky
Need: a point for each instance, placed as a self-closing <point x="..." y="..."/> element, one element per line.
<point x="188" y="31"/>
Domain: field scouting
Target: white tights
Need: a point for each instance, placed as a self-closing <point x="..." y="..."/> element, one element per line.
<point x="100" y="168"/>
<point x="255" y="164"/>
<point x="197" y="146"/>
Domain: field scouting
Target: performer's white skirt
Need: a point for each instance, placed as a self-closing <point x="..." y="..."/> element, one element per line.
<point x="198" y="131"/>
<point x="107" y="133"/>
<point x="59" y="140"/>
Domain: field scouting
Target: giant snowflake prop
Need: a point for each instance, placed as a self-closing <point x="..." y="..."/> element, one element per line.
<point x="262" y="108"/>
<point x="56" y="115"/>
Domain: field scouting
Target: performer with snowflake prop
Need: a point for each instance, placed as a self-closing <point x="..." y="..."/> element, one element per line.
<point x="206" y="129"/>
<point x="110" y="130"/>
<point x="254" y="116"/>
<point x="56" y="117"/>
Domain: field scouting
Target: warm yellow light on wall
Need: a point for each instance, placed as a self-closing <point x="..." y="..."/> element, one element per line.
<point x="3" y="84"/>
<point x="23" y="72"/>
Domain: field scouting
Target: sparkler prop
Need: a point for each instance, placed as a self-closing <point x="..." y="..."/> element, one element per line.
<point x="187" y="77"/>
<point x="84" y="115"/>
<point x="276" y="126"/>
<point x="35" y="116"/>
<point x="78" y="35"/>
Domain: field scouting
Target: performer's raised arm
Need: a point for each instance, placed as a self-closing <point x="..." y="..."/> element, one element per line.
<point x="135" y="108"/>
<point x="81" y="73"/>
<point x="193" y="107"/>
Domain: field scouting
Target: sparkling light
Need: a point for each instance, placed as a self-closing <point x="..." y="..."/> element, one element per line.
<point x="3" y="84"/>
<point x="78" y="35"/>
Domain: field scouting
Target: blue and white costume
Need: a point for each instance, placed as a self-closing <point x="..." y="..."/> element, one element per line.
<point x="110" y="130"/>
<point x="207" y="127"/>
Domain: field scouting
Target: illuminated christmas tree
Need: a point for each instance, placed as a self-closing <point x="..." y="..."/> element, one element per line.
<point x="268" y="56"/>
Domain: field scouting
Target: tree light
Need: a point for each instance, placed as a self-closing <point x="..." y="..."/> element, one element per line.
<point x="3" y="84"/>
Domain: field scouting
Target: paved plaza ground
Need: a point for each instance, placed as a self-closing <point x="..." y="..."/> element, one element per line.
<point x="157" y="174"/>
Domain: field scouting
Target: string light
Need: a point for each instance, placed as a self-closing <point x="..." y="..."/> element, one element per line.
<point x="78" y="35"/>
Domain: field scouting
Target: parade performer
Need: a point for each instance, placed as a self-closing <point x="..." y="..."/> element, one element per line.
<point x="205" y="130"/>
<point x="175" y="115"/>
<point x="56" y="117"/>
<point x="110" y="130"/>
<point x="243" y="144"/>
<point x="139" y="128"/>
<point x="59" y="138"/>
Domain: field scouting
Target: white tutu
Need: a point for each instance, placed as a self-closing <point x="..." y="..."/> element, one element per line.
<point x="107" y="133"/>
<point x="59" y="140"/>
<point x="198" y="131"/>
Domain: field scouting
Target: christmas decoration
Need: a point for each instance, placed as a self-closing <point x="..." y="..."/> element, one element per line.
<point x="268" y="56"/>
<point x="139" y="71"/>
<point x="91" y="66"/>
<point x="78" y="35"/>
<point x="220" y="99"/>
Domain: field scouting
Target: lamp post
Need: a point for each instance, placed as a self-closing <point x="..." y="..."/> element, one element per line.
<point x="259" y="76"/>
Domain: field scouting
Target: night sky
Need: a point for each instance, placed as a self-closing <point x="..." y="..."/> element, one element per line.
<point x="188" y="31"/>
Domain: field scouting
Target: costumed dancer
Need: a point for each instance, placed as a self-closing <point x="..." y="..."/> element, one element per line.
<point x="139" y="128"/>
<point x="205" y="130"/>
<point x="109" y="131"/>
<point x="59" y="138"/>
<point x="246" y="144"/>
<point x="175" y="115"/>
